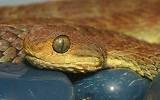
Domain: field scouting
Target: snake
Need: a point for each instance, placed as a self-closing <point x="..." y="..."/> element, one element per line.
<point x="82" y="36"/>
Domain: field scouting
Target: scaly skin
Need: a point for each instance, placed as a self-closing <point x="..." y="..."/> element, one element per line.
<point x="137" y="18"/>
<point x="91" y="48"/>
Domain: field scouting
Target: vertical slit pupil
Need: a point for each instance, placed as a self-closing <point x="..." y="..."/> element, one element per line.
<point x="62" y="43"/>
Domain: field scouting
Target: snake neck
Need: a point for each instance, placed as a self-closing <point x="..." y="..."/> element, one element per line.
<point x="143" y="58"/>
<point x="143" y="66"/>
<point x="11" y="43"/>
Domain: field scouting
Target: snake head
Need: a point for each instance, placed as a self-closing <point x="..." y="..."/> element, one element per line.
<point x="63" y="47"/>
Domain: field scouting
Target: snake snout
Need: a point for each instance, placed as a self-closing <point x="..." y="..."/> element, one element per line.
<point x="93" y="57"/>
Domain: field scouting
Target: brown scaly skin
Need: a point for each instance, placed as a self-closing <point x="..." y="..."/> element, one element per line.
<point x="11" y="42"/>
<point x="138" y="18"/>
<point x="91" y="48"/>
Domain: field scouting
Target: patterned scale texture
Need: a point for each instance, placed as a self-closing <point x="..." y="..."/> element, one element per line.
<point x="11" y="43"/>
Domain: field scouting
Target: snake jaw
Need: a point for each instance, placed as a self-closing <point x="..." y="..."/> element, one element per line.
<point x="76" y="60"/>
<point x="82" y="65"/>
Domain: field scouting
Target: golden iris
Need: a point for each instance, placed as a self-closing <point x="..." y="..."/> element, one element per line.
<point x="61" y="44"/>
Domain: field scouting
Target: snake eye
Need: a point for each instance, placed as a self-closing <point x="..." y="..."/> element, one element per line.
<point x="61" y="44"/>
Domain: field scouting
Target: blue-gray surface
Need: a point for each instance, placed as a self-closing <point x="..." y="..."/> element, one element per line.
<point x="153" y="92"/>
<point x="19" y="82"/>
<point x="116" y="84"/>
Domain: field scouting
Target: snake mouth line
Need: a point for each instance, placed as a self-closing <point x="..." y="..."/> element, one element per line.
<point x="69" y="67"/>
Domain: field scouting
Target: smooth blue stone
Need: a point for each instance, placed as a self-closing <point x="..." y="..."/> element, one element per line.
<point x="22" y="82"/>
<point x="113" y="84"/>
<point x="13" y="70"/>
<point x="153" y="92"/>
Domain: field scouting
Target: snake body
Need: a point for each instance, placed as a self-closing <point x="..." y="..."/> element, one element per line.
<point x="29" y="31"/>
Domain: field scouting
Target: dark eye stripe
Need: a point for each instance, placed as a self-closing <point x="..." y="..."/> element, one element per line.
<point x="61" y="44"/>
<point x="62" y="47"/>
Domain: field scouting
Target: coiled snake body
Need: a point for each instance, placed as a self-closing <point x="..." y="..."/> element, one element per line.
<point x="83" y="36"/>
